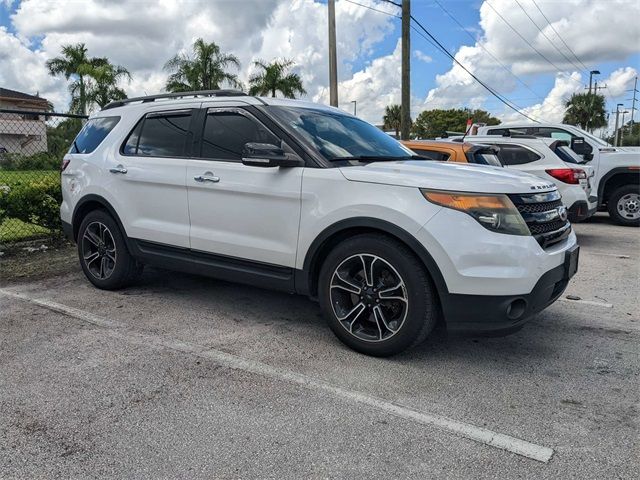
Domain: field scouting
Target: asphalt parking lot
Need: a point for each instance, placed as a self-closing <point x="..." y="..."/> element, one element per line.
<point x="183" y="376"/>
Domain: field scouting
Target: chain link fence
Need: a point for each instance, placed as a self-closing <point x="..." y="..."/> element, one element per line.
<point x="32" y="144"/>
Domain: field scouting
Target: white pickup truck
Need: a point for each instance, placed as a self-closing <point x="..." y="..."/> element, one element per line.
<point x="617" y="169"/>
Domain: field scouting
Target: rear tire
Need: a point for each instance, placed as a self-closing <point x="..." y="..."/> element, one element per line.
<point x="376" y="295"/>
<point x="103" y="252"/>
<point x="624" y="205"/>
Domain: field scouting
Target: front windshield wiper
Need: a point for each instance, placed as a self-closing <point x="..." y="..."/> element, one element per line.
<point x="376" y="158"/>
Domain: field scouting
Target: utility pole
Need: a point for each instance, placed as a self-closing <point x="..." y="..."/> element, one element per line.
<point x="591" y="74"/>
<point x="615" y="130"/>
<point x="333" y="59"/>
<point x="405" y="103"/>
<point x="633" y="104"/>
<point x="624" y="112"/>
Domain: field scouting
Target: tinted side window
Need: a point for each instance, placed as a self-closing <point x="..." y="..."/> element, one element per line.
<point x="516" y="155"/>
<point x="497" y="131"/>
<point x="159" y="135"/>
<point x="92" y="134"/>
<point x="225" y="134"/>
<point x="549" y="132"/>
<point x="432" y="155"/>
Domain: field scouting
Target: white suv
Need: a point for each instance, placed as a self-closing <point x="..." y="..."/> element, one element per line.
<point x="553" y="161"/>
<point x="307" y="199"/>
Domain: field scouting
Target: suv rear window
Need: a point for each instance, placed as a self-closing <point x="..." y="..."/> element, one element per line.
<point x="92" y="134"/>
<point x="432" y="154"/>
<point x="516" y="154"/>
<point x="159" y="135"/>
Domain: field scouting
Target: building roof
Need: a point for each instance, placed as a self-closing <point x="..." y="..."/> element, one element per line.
<point x="15" y="95"/>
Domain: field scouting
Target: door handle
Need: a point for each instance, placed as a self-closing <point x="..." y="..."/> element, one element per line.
<point x="118" y="169"/>
<point x="206" y="177"/>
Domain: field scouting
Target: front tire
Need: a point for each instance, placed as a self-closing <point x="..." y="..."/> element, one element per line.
<point x="103" y="252"/>
<point x="376" y="295"/>
<point x="624" y="205"/>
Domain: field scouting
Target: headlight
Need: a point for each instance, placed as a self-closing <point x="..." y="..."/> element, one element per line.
<point x="494" y="212"/>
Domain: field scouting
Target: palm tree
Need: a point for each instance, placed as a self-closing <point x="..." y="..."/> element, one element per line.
<point x="73" y="63"/>
<point x="587" y="110"/>
<point x="274" y="78"/>
<point x="103" y="86"/>
<point x="204" y="70"/>
<point x="392" y="118"/>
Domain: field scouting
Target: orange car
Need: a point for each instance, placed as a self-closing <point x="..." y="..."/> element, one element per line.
<point x="463" y="152"/>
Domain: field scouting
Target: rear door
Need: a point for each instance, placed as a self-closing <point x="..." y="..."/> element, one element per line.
<point x="147" y="178"/>
<point x="246" y="212"/>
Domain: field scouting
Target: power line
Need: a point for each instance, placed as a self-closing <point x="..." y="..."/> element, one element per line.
<point x="548" y="39"/>
<point x="374" y="9"/>
<point x="434" y="41"/>
<point x="488" y="52"/>
<point x="560" y="36"/>
<point x="524" y="39"/>
<point x="499" y="96"/>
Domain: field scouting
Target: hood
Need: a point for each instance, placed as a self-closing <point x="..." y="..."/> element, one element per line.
<point x="453" y="176"/>
<point x="621" y="156"/>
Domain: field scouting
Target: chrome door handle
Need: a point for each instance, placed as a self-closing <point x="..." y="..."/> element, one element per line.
<point x="118" y="169"/>
<point x="207" y="177"/>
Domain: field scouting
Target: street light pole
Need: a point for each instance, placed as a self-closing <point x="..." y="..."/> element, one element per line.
<point x="355" y="102"/>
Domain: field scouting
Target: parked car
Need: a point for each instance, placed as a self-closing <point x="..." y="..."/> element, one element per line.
<point x="462" y="152"/>
<point x="617" y="169"/>
<point x="308" y="199"/>
<point x="532" y="155"/>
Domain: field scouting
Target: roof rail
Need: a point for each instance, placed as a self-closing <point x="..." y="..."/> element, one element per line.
<point x="197" y="93"/>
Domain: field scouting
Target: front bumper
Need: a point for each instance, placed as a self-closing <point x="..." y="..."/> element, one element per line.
<point x="494" y="315"/>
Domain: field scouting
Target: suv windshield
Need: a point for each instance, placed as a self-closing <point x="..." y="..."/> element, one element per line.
<point x="339" y="136"/>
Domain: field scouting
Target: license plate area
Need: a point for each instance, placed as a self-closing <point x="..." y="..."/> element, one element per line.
<point x="571" y="262"/>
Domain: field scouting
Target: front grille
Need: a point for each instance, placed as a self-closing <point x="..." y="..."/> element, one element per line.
<point x="541" y="212"/>
<point x="539" y="207"/>
<point x="538" y="228"/>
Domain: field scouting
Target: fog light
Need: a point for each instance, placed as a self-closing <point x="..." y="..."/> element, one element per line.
<point x="516" y="309"/>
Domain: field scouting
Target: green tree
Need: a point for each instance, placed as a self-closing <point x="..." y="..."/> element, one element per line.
<point x="392" y="118"/>
<point x="586" y="110"/>
<point x="103" y="85"/>
<point x="273" y="78"/>
<point x="630" y="135"/>
<point x="205" y="69"/>
<point x="73" y="64"/>
<point x="437" y="122"/>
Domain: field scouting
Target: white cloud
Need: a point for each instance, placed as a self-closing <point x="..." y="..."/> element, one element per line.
<point x="423" y="57"/>
<point x="596" y="31"/>
<point x="143" y="36"/>
<point x="620" y="81"/>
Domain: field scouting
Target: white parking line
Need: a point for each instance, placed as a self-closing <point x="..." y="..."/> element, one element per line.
<point x="617" y="255"/>
<point x="587" y="302"/>
<point x="462" y="429"/>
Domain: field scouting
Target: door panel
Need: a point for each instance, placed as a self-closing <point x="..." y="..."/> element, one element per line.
<point x="236" y="210"/>
<point x="148" y="179"/>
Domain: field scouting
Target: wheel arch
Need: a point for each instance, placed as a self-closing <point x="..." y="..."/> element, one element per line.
<point x="89" y="203"/>
<point x="307" y="278"/>
<point x="614" y="179"/>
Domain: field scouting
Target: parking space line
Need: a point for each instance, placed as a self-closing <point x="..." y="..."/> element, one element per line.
<point x="478" y="434"/>
<point x="587" y="302"/>
<point x="617" y="255"/>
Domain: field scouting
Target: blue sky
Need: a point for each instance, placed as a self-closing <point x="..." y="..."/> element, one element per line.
<point x="135" y="34"/>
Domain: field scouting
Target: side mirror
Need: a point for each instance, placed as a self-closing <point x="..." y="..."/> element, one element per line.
<point x="581" y="147"/>
<point x="268" y="155"/>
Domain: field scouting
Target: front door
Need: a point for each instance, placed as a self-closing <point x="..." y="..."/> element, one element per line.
<point x="236" y="210"/>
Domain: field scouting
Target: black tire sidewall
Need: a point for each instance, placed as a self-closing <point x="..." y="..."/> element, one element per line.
<point x="421" y="312"/>
<point x="612" y="205"/>
<point x="123" y="269"/>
